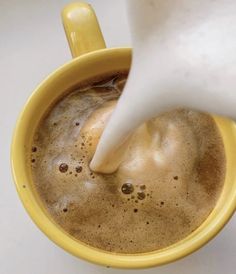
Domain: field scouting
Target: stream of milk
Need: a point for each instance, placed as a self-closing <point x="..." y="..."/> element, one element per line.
<point x="184" y="55"/>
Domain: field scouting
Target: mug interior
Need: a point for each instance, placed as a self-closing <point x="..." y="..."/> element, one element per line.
<point x="81" y="70"/>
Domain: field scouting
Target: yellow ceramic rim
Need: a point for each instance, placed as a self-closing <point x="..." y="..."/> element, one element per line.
<point x="178" y="250"/>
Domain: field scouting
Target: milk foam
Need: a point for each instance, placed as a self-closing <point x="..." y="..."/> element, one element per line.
<point x="184" y="56"/>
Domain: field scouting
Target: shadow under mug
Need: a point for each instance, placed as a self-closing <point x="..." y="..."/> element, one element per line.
<point x="91" y="60"/>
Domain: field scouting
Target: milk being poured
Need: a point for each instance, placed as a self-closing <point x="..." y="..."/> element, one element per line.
<point x="184" y="55"/>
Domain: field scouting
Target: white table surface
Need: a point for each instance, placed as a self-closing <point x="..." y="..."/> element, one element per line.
<point x="32" y="44"/>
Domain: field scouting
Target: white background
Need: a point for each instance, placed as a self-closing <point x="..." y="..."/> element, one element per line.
<point x="32" y="44"/>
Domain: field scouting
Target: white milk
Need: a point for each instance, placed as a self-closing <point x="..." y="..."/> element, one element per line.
<point x="184" y="56"/>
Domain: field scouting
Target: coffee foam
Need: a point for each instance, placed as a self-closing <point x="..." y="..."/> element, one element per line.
<point x="168" y="182"/>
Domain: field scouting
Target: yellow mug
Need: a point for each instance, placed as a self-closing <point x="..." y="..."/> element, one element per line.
<point x="91" y="60"/>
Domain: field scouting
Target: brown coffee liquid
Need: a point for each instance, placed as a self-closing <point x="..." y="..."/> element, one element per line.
<point x="167" y="184"/>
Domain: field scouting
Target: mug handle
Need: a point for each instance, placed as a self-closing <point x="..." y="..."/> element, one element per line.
<point x="82" y="29"/>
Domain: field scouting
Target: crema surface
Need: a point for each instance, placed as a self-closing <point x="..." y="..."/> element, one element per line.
<point x="168" y="182"/>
